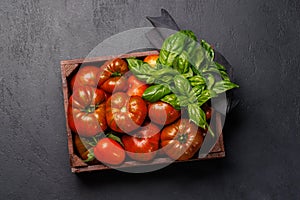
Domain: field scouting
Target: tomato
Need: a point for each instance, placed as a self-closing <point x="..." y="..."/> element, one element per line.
<point x="86" y="111"/>
<point x="162" y="113"/>
<point x="151" y="60"/>
<point x="81" y="148"/>
<point x="109" y="151"/>
<point x="115" y="84"/>
<point x="124" y="113"/>
<point x="110" y="70"/>
<point x="181" y="140"/>
<point x="136" y="87"/>
<point x="86" y="76"/>
<point x="143" y="145"/>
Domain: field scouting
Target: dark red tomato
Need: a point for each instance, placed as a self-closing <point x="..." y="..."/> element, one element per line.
<point x="136" y="87"/>
<point x="208" y="111"/>
<point x="86" y="111"/>
<point x="109" y="151"/>
<point x="81" y="147"/>
<point x="124" y="113"/>
<point x="86" y="76"/>
<point x="181" y="140"/>
<point x="110" y="69"/>
<point x="115" y="84"/>
<point x="151" y="60"/>
<point x="143" y="144"/>
<point x="162" y="113"/>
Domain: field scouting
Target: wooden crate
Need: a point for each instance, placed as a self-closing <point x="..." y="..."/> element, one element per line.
<point x="68" y="68"/>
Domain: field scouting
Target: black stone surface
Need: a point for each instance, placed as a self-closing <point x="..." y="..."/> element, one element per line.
<point x="261" y="40"/>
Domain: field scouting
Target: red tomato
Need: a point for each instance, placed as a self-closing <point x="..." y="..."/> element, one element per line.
<point x="136" y="87"/>
<point x="111" y="69"/>
<point x="162" y="113"/>
<point x="115" y="84"/>
<point x="86" y="76"/>
<point x="109" y="151"/>
<point x="124" y="113"/>
<point x="81" y="146"/>
<point x="151" y="60"/>
<point x="181" y="140"/>
<point x="143" y="145"/>
<point x="86" y="111"/>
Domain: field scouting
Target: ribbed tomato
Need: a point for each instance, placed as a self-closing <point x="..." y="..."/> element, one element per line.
<point x="110" y="73"/>
<point x="86" y="111"/>
<point x="86" y="76"/>
<point x="125" y="113"/>
<point x="181" y="140"/>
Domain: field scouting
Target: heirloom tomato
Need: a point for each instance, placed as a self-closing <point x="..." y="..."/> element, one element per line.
<point x="181" y="140"/>
<point x="86" y="76"/>
<point x="125" y="113"/>
<point x="111" y="77"/>
<point x="143" y="144"/>
<point x="86" y="111"/>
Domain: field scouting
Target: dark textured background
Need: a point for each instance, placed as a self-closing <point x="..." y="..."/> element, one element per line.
<point x="261" y="39"/>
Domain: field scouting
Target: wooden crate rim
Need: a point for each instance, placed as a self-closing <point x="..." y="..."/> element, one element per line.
<point x="101" y="58"/>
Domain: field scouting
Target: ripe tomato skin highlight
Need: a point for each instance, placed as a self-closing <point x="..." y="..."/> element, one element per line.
<point x="136" y="87"/>
<point x="151" y="60"/>
<point x="124" y="113"/>
<point x="86" y="111"/>
<point x="86" y="76"/>
<point x="181" y="140"/>
<point x="115" y="84"/>
<point x="162" y="113"/>
<point x="143" y="144"/>
<point x="109" y="151"/>
<point x="112" y="68"/>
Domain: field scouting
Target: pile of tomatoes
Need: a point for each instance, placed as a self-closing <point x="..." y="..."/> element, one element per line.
<point x="112" y="121"/>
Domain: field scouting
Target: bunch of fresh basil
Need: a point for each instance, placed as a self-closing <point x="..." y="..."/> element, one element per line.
<point x="185" y="75"/>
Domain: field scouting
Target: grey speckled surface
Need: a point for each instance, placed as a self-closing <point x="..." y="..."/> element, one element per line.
<point x="261" y="39"/>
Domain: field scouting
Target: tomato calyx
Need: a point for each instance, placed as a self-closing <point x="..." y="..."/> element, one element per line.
<point x="116" y="74"/>
<point x="182" y="138"/>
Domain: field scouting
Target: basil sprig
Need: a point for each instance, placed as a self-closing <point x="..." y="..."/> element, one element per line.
<point x="185" y="76"/>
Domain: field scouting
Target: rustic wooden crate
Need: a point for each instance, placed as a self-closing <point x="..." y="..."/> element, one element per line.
<point x="68" y="68"/>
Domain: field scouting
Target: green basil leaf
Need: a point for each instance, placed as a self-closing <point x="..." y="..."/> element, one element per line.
<point x="171" y="48"/>
<point x="156" y="92"/>
<point x="197" y="115"/>
<point x="197" y="80"/>
<point x="197" y="56"/>
<point x="220" y="67"/>
<point x="223" y="86"/>
<point x="189" y="33"/>
<point x="182" y="85"/>
<point x="205" y="96"/>
<point x="181" y="63"/>
<point x="172" y="100"/>
<point x="188" y="74"/>
<point x="210" y="80"/>
<point x="209" y="50"/>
